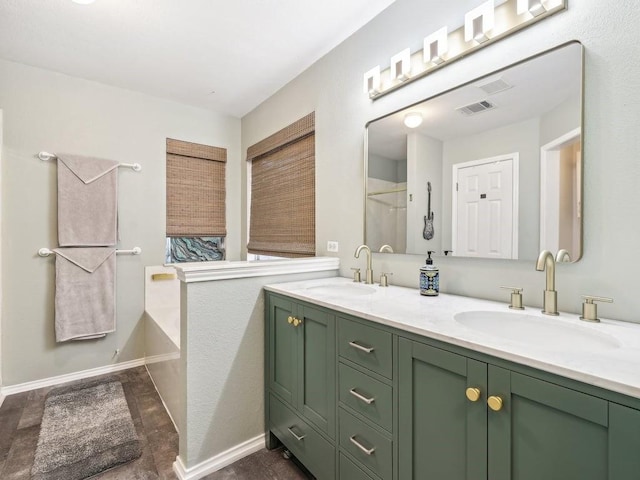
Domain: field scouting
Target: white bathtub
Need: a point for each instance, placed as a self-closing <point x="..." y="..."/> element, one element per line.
<point x="162" y="338"/>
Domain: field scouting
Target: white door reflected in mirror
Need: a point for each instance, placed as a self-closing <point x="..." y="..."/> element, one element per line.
<point x="485" y="208"/>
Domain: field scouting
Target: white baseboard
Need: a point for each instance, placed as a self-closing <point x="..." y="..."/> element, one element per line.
<point x="69" y="377"/>
<point x="220" y="461"/>
<point x="1" y="398"/>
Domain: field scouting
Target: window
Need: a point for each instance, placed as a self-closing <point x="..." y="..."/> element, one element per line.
<point x="196" y="223"/>
<point x="282" y="212"/>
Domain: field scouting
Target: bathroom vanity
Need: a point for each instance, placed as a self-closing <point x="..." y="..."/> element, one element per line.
<point x="365" y="382"/>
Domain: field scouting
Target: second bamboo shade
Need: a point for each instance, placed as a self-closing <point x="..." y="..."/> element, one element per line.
<point x="282" y="218"/>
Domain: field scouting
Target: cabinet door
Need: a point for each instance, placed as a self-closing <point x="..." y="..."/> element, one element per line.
<point x="442" y="434"/>
<point x="283" y="350"/>
<point x="317" y="368"/>
<point x="624" y="443"/>
<point x="545" y="431"/>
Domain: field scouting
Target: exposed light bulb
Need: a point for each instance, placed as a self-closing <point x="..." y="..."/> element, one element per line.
<point x="534" y="7"/>
<point x="435" y="46"/>
<point x="413" y="120"/>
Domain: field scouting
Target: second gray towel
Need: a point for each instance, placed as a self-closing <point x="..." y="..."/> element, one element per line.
<point x="85" y="292"/>
<point x="87" y="201"/>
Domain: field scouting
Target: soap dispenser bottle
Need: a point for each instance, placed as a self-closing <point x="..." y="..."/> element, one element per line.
<point x="429" y="278"/>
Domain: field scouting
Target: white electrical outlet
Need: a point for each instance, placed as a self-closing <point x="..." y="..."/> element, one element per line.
<point x="332" y="246"/>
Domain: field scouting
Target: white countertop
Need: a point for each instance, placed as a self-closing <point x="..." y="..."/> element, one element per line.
<point x="615" y="366"/>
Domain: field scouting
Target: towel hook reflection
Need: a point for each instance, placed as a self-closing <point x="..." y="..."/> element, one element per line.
<point x="45" y="252"/>
<point x="46" y="156"/>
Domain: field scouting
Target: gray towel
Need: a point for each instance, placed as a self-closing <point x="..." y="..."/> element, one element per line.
<point x="87" y="201"/>
<point x="85" y="292"/>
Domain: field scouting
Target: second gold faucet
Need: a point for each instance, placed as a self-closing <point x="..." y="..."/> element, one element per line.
<point x="550" y="299"/>
<point x="369" y="272"/>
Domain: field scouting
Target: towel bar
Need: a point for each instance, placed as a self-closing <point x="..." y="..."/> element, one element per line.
<point x="46" y="156"/>
<point x="45" y="252"/>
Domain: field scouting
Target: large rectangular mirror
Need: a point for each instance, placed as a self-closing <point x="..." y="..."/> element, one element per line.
<point x="490" y="169"/>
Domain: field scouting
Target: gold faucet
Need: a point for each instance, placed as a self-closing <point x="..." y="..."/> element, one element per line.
<point x="369" y="273"/>
<point x="550" y="299"/>
<point x="563" y="256"/>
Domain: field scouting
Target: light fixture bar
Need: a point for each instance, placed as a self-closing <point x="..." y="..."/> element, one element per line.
<point x="483" y="26"/>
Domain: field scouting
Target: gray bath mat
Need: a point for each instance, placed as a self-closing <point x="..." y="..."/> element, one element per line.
<point x="86" y="429"/>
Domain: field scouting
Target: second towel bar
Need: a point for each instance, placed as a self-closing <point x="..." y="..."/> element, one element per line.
<point x="45" y="252"/>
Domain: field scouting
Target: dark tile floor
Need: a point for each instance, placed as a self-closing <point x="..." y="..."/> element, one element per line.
<point x="21" y="414"/>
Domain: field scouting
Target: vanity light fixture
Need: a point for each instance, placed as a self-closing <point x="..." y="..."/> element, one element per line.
<point x="484" y="25"/>
<point x="413" y="119"/>
<point x="401" y="65"/>
<point x="479" y="22"/>
<point x="372" y="82"/>
<point x="435" y="46"/>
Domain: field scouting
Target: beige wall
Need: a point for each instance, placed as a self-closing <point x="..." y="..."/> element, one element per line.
<point x="44" y="110"/>
<point x="333" y="88"/>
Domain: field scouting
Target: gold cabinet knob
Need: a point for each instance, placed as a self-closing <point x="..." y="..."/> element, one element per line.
<point x="290" y="319"/>
<point x="473" y="394"/>
<point x="495" y="403"/>
<point x="296" y="322"/>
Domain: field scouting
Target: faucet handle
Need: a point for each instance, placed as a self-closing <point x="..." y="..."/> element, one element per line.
<point x="516" y="297"/>
<point x="590" y="309"/>
<point x="384" y="281"/>
<point x="356" y="275"/>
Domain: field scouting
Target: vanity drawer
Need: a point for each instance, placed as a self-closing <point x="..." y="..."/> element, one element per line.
<point x="349" y="470"/>
<point x="366" y="346"/>
<point x="315" y="453"/>
<point x="366" y="395"/>
<point x="368" y="446"/>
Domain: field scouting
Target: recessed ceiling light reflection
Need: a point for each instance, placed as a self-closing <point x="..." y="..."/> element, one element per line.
<point x="413" y="120"/>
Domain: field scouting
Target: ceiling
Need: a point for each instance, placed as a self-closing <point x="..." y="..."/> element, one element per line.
<point x="537" y="87"/>
<point x="226" y="56"/>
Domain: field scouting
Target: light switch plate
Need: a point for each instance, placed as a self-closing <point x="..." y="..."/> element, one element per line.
<point x="332" y="246"/>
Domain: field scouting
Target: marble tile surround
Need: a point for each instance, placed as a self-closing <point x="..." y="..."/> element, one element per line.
<point x="616" y="369"/>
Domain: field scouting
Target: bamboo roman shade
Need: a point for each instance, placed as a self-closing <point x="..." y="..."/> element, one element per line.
<point x="195" y="190"/>
<point x="283" y="211"/>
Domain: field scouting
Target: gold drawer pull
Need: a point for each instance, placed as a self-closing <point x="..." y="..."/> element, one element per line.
<point x="354" y="344"/>
<point x="495" y="403"/>
<point x="359" y="396"/>
<point x="290" y="319"/>
<point x="365" y="450"/>
<point x="296" y="322"/>
<point x="473" y="394"/>
<point x="297" y="437"/>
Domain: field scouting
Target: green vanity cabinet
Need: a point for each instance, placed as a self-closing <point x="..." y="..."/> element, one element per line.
<point x="513" y="426"/>
<point x="301" y="376"/>
<point x="357" y="400"/>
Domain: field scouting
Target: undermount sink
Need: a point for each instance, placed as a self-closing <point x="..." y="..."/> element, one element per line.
<point x="344" y="289"/>
<point x="534" y="330"/>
